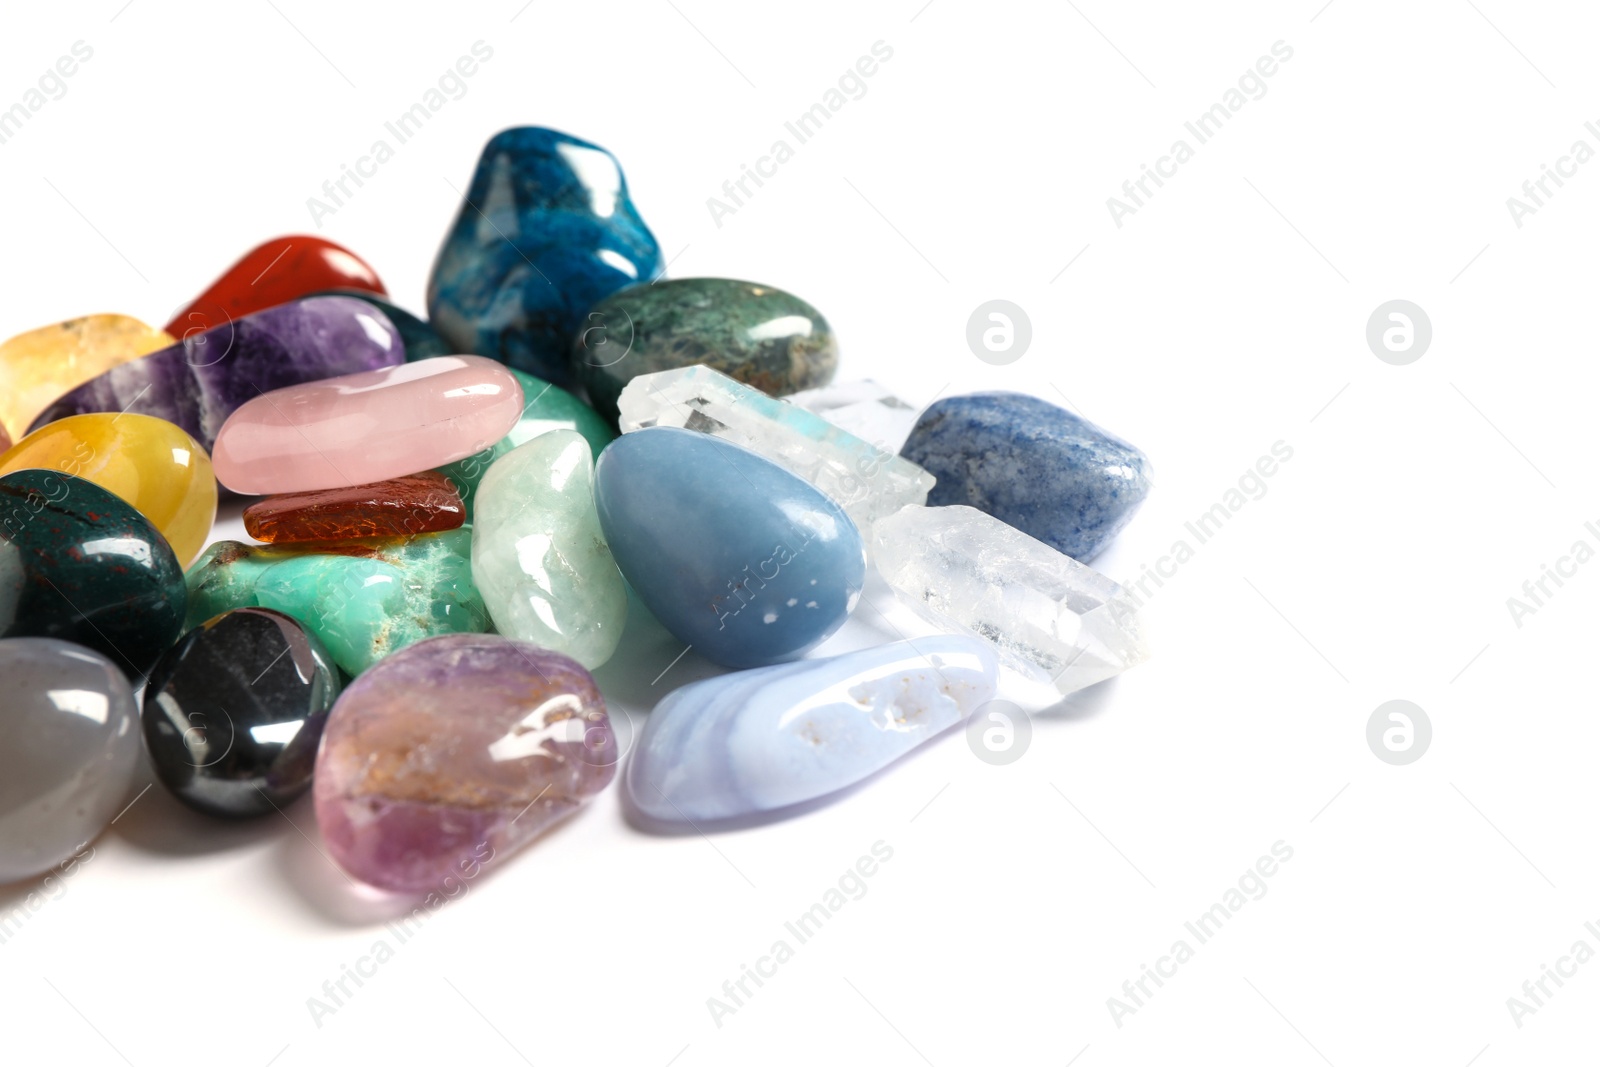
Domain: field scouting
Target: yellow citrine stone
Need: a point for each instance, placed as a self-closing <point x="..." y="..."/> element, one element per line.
<point x="148" y="462"/>
<point x="39" y="366"/>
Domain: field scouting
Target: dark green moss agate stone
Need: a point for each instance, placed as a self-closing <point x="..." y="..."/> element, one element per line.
<point x="79" y="564"/>
<point x="761" y="336"/>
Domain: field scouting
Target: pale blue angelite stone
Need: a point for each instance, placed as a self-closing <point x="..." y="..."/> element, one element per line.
<point x="748" y="563"/>
<point x="756" y="741"/>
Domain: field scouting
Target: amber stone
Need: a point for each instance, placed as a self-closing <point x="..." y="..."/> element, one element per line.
<point x="273" y="273"/>
<point x="417" y="503"/>
<point x="40" y="365"/>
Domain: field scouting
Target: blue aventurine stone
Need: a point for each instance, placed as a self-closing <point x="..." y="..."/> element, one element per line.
<point x="1032" y="465"/>
<point x="736" y="556"/>
<point x="546" y="232"/>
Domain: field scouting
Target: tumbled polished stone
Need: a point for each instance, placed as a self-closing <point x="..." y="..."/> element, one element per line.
<point x="755" y="334"/>
<point x="765" y="739"/>
<point x="1052" y="619"/>
<point x="545" y="232"/>
<point x="69" y="745"/>
<point x="80" y="564"/>
<point x="233" y="712"/>
<point x="863" y="409"/>
<point x="736" y="556"/>
<point x="538" y="557"/>
<point x="422" y="341"/>
<point x="1051" y="474"/>
<point x="198" y="383"/>
<point x="38" y="366"/>
<point x="148" y="462"/>
<point x="417" y="503"/>
<point x="453" y="754"/>
<point x="367" y="427"/>
<point x="362" y="598"/>
<point x="272" y="273"/>
<point x="867" y="481"/>
<point x="545" y="407"/>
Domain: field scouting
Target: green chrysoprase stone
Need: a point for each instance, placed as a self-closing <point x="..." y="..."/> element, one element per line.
<point x="538" y="556"/>
<point x="756" y="334"/>
<point x="362" y="598"/>
<point x="545" y="407"/>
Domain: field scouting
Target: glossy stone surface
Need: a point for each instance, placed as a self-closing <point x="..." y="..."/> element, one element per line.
<point x="761" y="740"/>
<point x="272" y="273"/>
<point x="362" y="598"/>
<point x="198" y="383"/>
<point x="755" y="334"/>
<point x="79" y="564"/>
<point x="864" y="409"/>
<point x="1053" y="619"/>
<point x="422" y="341"/>
<point x="868" y="482"/>
<point x="545" y="407"/>
<point x="452" y="755"/>
<point x="234" y="711"/>
<point x="148" y="462"/>
<point x="539" y="558"/>
<point x="1054" y="476"/>
<point x="38" y="366"/>
<point x="69" y="745"/>
<point x="547" y="231"/>
<point x="367" y="427"/>
<point x="732" y="553"/>
<point x="417" y="503"/>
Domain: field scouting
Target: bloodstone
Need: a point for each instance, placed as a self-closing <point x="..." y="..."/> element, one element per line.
<point x="274" y="272"/>
<point x="452" y="754"/>
<point x="417" y="503"/>
<point x="545" y="232"/>
<point x="199" y="382"/>
<point x="79" y="564"/>
<point x="233" y="712"/>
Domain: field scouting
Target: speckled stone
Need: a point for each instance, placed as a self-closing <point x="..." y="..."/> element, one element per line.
<point x="80" y="564"/>
<point x="755" y="334"/>
<point x="1032" y="465"/>
<point x="546" y="231"/>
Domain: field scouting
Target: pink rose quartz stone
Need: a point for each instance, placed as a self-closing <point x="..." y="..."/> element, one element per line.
<point x="454" y="753"/>
<point x="366" y="427"/>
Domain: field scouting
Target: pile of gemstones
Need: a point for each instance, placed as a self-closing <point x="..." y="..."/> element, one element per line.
<point x="447" y="539"/>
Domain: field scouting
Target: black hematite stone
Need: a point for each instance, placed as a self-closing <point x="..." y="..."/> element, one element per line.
<point x="234" y="711"/>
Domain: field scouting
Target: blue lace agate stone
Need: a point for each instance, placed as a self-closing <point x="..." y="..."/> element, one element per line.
<point x="1034" y="466"/>
<point x="546" y="231"/>
<point x="748" y="563"/>
<point x="766" y="739"/>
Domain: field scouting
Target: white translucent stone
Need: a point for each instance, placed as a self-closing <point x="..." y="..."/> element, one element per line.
<point x="867" y="481"/>
<point x="1052" y="618"/>
<point x="865" y="409"/>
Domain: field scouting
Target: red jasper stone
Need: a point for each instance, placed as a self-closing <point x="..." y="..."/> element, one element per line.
<point x="273" y="273"/>
<point x="417" y="503"/>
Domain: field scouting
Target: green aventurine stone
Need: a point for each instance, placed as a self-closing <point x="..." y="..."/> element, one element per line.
<point x="364" y="599"/>
<point x="545" y="407"/>
<point x="755" y="334"/>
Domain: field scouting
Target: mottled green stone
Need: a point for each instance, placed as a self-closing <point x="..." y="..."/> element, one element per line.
<point x="545" y="407"/>
<point x="761" y="336"/>
<point x="362" y="598"/>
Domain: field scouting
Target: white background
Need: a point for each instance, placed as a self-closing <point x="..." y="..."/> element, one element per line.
<point x="1226" y="315"/>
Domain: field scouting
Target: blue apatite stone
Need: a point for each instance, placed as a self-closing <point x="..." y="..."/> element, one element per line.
<point x="766" y="739"/>
<point x="1040" y="468"/>
<point x="736" y="556"/>
<point x="546" y="232"/>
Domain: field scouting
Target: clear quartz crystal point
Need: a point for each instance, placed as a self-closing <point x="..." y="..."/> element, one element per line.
<point x="863" y="408"/>
<point x="868" y="482"/>
<point x="1052" y="618"/>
